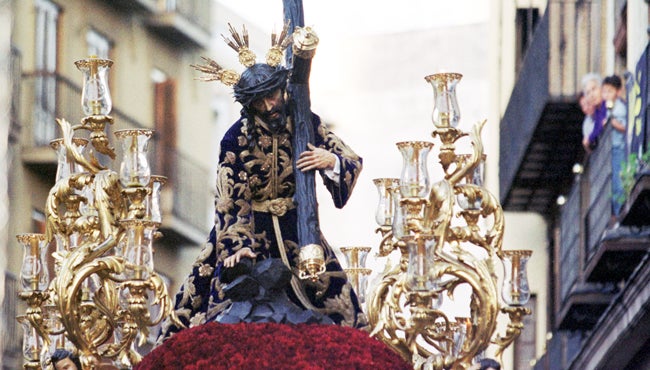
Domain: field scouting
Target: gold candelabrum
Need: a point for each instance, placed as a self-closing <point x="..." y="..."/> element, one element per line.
<point x="448" y="234"/>
<point x="104" y="293"/>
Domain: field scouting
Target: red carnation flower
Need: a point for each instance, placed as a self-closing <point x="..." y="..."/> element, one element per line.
<point x="272" y="346"/>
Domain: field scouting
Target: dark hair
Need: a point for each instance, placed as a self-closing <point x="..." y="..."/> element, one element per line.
<point x="614" y="81"/>
<point x="259" y="80"/>
<point x="487" y="363"/>
<point x="61" y="354"/>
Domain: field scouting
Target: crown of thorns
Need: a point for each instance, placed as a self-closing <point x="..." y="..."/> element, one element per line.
<point x="214" y="72"/>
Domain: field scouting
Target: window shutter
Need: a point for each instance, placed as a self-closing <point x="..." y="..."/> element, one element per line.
<point x="165" y="126"/>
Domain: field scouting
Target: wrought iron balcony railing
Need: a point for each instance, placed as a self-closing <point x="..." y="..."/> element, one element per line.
<point x="541" y="127"/>
<point x="184" y="23"/>
<point x="594" y="254"/>
<point x="196" y="11"/>
<point x="49" y="95"/>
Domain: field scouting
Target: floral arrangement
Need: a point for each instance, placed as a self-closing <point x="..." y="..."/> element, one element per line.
<point x="272" y="346"/>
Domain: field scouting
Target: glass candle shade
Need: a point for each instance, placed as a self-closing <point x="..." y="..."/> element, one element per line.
<point x="87" y="205"/>
<point x="138" y="250"/>
<point x="152" y="201"/>
<point x="385" y="207"/>
<point x="445" y="105"/>
<point x="515" y="290"/>
<point x="33" y="272"/>
<point x="134" y="169"/>
<point x="52" y="317"/>
<point x="67" y="166"/>
<point x="447" y="331"/>
<point x="358" y="278"/>
<point x="355" y="257"/>
<point x="419" y="275"/>
<point x="362" y="286"/>
<point x="477" y="175"/>
<point x="462" y="331"/>
<point x="32" y="342"/>
<point x="469" y="198"/>
<point x="52" y="321"/>
<point x="95" y="96"/>
<point x="414" y="181"/>
<point x="400" y="228"/>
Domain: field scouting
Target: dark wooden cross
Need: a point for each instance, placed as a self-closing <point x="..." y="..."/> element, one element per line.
<point x="303" y="133"/>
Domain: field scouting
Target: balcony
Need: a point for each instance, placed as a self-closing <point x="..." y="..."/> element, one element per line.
<point x="580" y="303"/>
<point x="133" y="5"/>
<point x="611" y="255"/>
<point x="623" y="333"/>
<point x="183" y="23"/>
<point x="541" y="127"/>
<point x="189" y="203"/>
<point x="46" y="96"/>
<point x="561" y="349"/>
<point x="637" y="207"/>
<point x="594" y="257"/>
<point x="583" y="219"/>
<point x="14" y="123"/>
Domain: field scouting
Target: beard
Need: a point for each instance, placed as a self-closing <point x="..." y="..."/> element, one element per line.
<point x="276" y="119"/>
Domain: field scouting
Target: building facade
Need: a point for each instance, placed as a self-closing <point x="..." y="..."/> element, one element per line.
<point x="598" y="262"/>
<point x="152" y="44"/>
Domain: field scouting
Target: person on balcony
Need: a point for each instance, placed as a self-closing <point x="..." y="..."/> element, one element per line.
<point x="588" y="122"/>
<point x="609" y="109"/>
<point x="255" y="215"/>
<point x="617" y="117"/>
<point x="591" y="88"/>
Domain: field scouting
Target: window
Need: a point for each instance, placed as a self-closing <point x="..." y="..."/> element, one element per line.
<point x="12" y="353"/>
<point x="525" y="22"/>
<point x="620" y="36"/>
<point x="170" y="5"/>
<point x="165" y="124"/>
<point x="98" y="44"/>
<point x="47" y="18"/>
<point x="14" y="66"/>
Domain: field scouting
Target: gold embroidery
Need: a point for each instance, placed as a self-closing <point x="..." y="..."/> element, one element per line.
<point x="278" y="206"/>
<point x="205" y="270"/>
<point x="230" y="157"/>
<point x="224" y="191"/>
<point x="269" y="163"/>
<point x="337" y="145"/>
<point x="342" y="304"/>
<point x="198" y="319"/>
<point x="205" y="253"/>
<point x="274" y="168"/>
<point x="264" y="141"/>
<point x="188" y="290"/>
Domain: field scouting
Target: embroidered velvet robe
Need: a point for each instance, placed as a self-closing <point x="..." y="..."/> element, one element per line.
<point x="251" y="179"/>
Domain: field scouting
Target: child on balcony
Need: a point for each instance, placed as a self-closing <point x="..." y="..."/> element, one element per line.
<point x="617" y="117"/>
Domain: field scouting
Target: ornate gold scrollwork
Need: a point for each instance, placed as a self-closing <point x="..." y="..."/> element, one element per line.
<point x="455" y="234"/>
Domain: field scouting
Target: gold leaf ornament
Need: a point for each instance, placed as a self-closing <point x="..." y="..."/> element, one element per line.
<point x="305" y="41"/>
<point x="214" y="72"/>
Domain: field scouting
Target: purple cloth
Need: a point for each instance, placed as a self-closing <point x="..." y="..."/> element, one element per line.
<point x="599" y="116"/>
